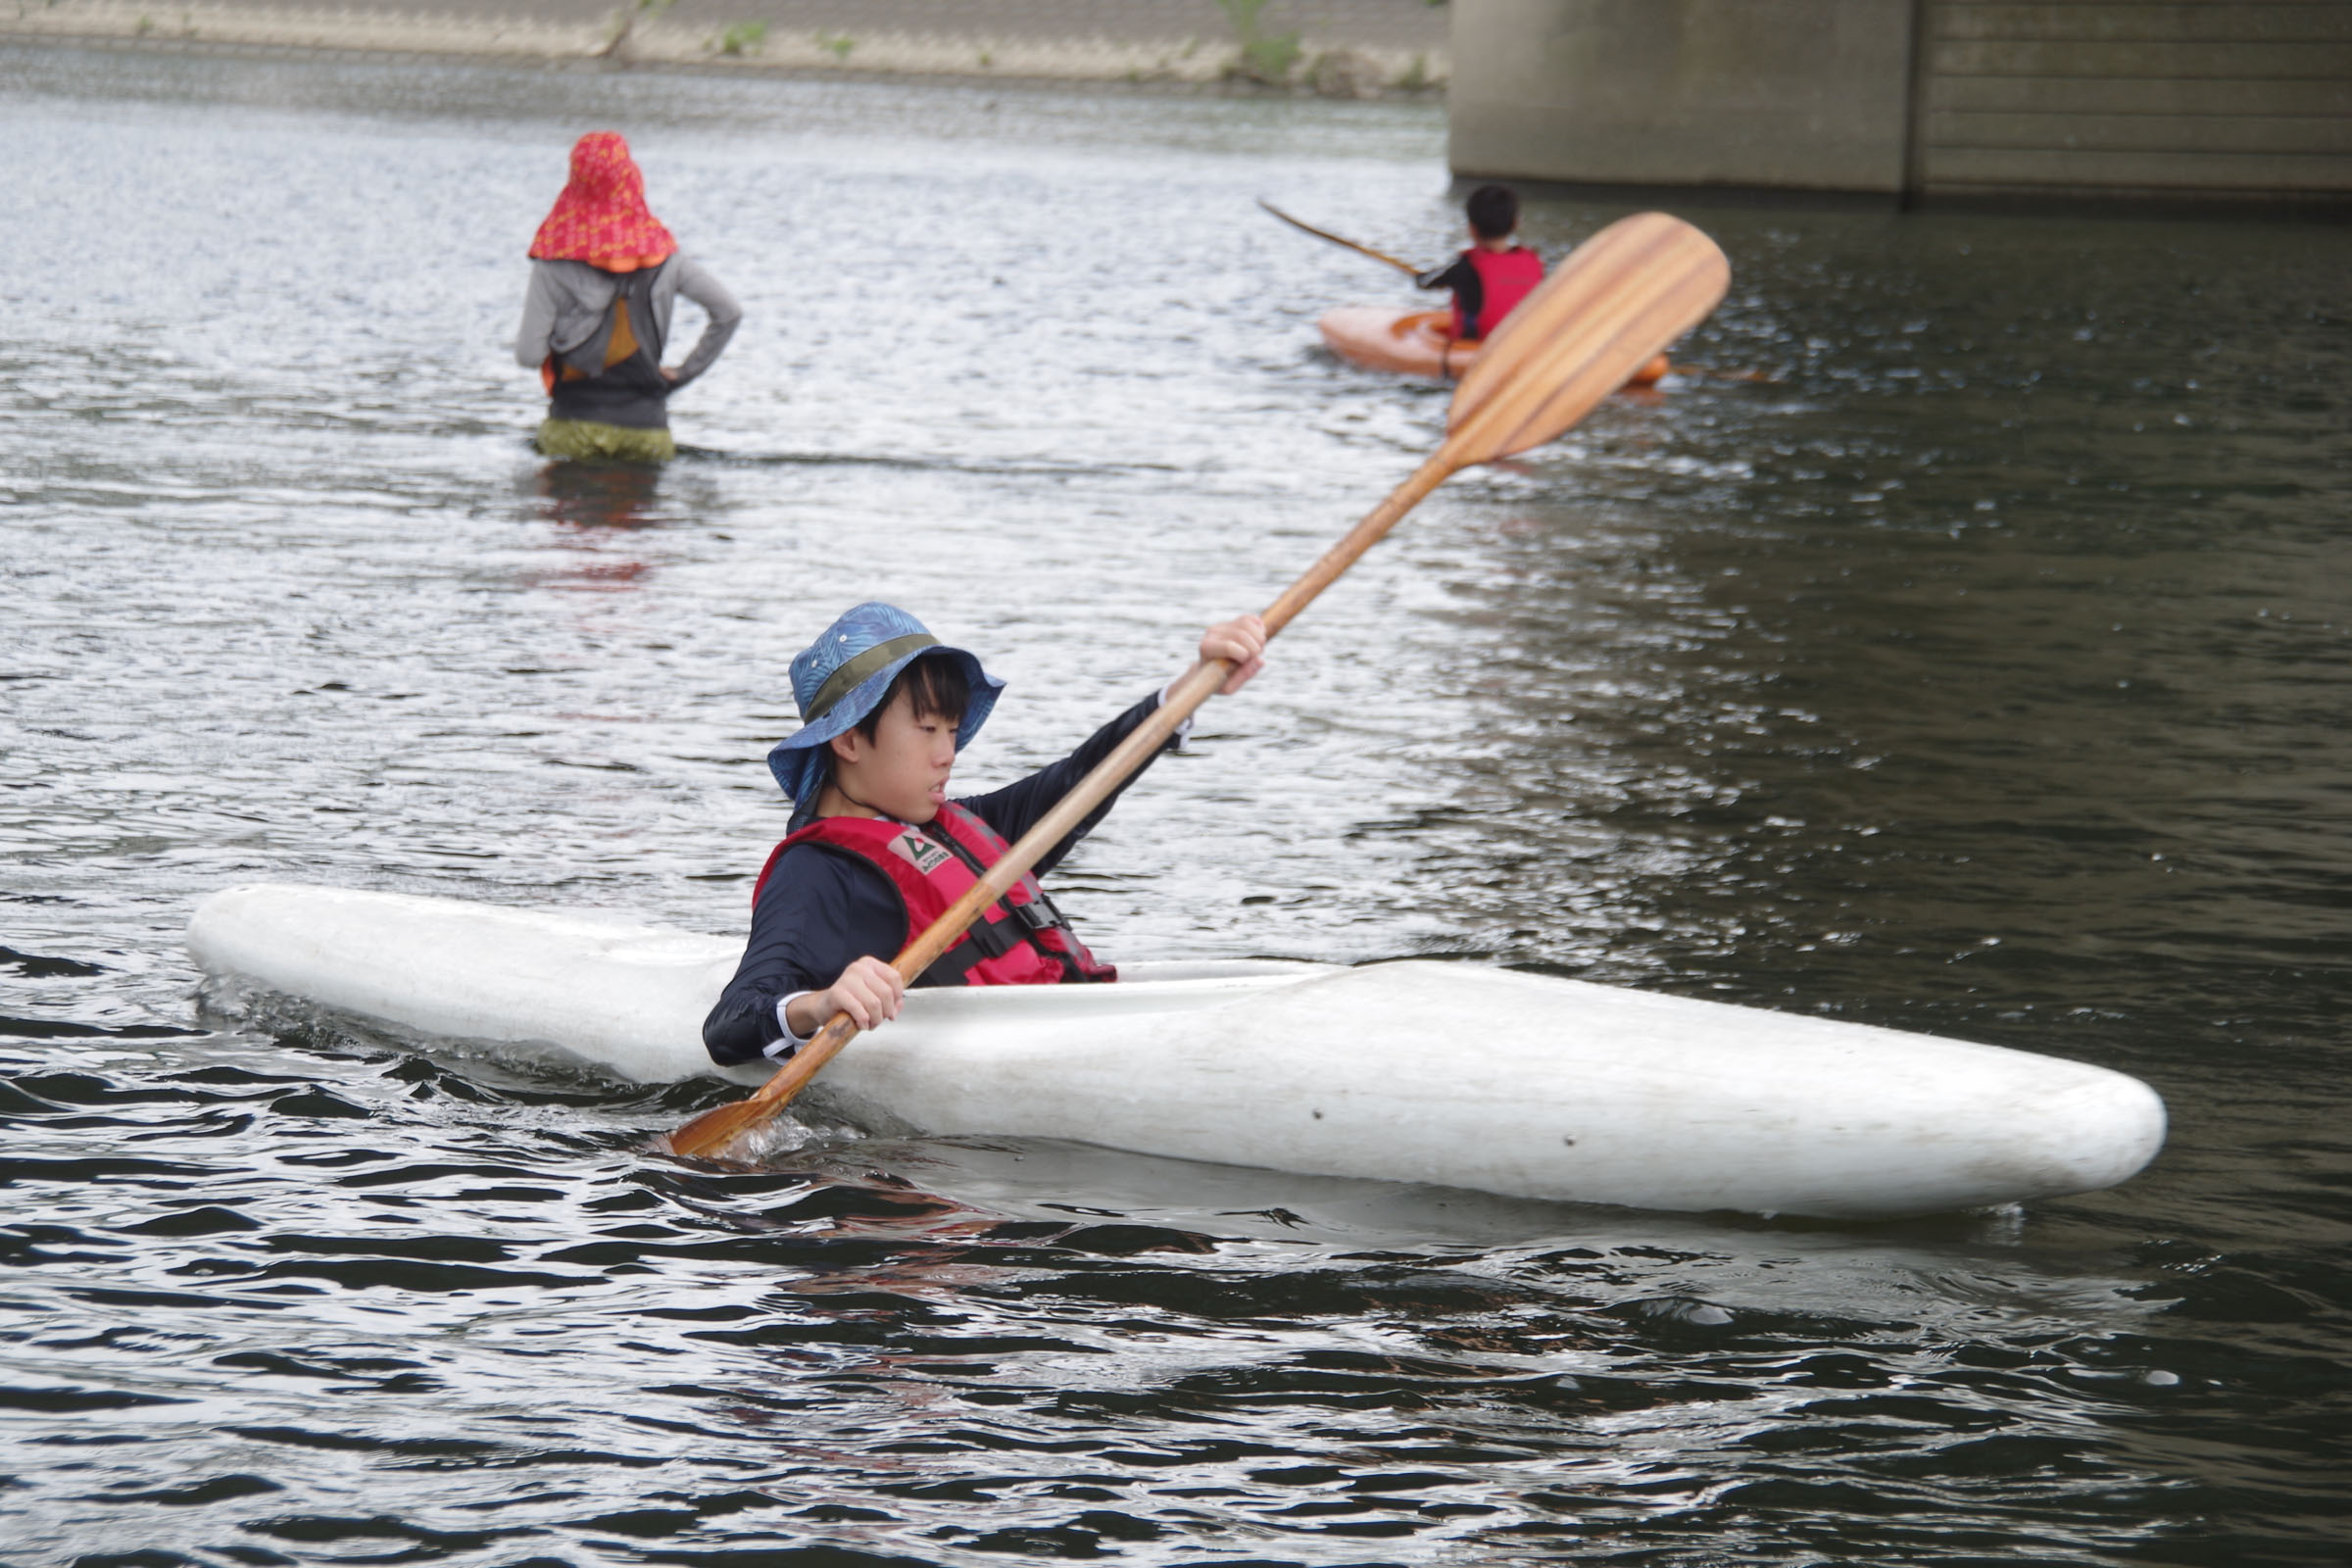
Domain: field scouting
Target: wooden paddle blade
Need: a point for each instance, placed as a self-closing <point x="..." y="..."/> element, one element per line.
<point x="1619" y="298"/>
<point x="707" y="1135"/>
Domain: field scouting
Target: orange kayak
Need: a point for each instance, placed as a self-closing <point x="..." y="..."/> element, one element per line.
<point x="1418" y="343"/>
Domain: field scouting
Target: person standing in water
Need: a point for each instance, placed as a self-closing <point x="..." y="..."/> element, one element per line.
<point x="604" y="276"/>
<point x="1496" y="273"/>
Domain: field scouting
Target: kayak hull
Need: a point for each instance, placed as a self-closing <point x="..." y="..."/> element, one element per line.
<point x="1419" y="343"/>
<point x="1446" y="1073"/>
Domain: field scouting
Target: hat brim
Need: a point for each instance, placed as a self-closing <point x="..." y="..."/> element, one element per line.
<point x="798" y="761"/>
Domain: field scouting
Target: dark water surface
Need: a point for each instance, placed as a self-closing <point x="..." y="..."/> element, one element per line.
<point x="1984" y="672"/>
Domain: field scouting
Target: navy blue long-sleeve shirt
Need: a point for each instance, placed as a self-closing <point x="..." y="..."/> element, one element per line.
<point x="1469" y="290"/>
<point x="820" y="911"/>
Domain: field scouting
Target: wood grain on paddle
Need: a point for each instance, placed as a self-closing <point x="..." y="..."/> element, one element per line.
<point x="1620" y="298"/>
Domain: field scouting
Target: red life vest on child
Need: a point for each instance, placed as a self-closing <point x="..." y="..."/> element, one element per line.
<point x="1506" y="277"/>
<point x="1020" y="940"/>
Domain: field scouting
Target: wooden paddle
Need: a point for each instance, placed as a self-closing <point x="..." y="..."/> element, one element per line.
<point x="1623" y="296"/>
<point x="1406" y="267"/>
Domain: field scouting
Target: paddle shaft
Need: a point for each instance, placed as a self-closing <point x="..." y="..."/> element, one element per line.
<point x="1194" y="687"/>
<point x="1406" y="267"/>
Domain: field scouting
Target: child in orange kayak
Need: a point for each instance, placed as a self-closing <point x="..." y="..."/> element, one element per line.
<point x="1496" y="273"/>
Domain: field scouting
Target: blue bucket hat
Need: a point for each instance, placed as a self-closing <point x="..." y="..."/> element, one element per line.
<point x="841" y="678"/>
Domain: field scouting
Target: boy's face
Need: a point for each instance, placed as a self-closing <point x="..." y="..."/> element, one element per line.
<point x="903" y="772"/>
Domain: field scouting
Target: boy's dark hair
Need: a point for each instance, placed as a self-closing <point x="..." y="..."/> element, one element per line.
<point x="1493" y="210"/>
<point x="933" y="687"/>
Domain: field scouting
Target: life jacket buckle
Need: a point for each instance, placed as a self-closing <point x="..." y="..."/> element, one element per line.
<point x="1040" y="914"/>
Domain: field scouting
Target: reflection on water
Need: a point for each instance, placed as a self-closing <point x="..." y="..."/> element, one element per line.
<point x="1978" y="671"/>
<point x="594" y="501"/>
<point x="600" y="495"/>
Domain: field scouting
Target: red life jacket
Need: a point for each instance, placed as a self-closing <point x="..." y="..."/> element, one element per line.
<point x="1020" y="940"/>
<point x="1506" y="277"/>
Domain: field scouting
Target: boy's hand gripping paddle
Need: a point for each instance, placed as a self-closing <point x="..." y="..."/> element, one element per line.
<point x="1621" y="297"/>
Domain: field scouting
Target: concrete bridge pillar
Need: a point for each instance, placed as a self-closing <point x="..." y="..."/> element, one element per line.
<point x="2180" y="100"/>
<point x="1801" y="94"/>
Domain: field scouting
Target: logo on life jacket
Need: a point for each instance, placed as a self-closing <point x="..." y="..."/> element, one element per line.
<point x="925" y="856"/>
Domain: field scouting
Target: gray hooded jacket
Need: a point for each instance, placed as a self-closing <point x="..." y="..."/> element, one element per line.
<point x="570" y="302"/>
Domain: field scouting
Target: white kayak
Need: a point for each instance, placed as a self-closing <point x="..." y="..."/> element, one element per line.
<point x="1409" y="1071"/>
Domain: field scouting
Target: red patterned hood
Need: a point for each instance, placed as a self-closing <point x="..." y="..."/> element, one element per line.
<point x="601" y="218"/>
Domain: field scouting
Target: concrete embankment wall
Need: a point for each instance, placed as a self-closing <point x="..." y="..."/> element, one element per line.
<point x="1920" y="101"/>
<point x="1344" y="48"/>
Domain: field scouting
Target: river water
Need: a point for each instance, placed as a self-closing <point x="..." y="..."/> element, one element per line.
<point x="1979" y="669"/>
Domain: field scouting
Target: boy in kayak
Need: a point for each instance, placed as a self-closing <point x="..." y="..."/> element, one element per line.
<point x="1494" y="274"/>
<point x="876" y="850"/>
<point x="605" y="276"/>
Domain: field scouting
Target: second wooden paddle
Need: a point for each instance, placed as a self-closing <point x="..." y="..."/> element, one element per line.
<point x="1406" y="267"/>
